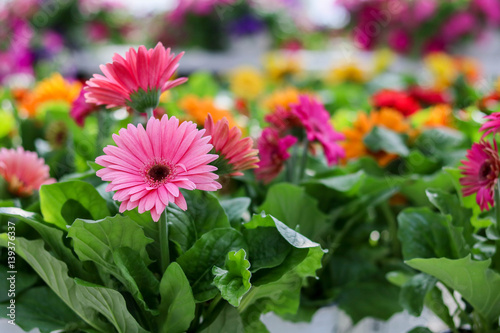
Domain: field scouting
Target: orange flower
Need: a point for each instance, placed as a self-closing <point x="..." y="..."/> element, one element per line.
<point x="439" y="116"/>
<point x="198" y="109"/>
<point x="52" y="89"/>
<point x="282" y="98"/>
<point x="388" y="118"/>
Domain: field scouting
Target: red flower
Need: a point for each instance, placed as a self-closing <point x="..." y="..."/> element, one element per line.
<point x="428" y="97"/>
<point x="398" y="100"/>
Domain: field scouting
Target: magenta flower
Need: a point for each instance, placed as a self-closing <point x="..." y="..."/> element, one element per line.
<point x="399" y="40"/>
<point x="480" y="173"/>
<point x="80" y="109"/>
<point x="492" y="125"/>
<point x="458" y="25"/>
<point x="149" y="166"/>
<point x="273" y="153"/>
<point x="316" y="121"/>
<point x="136" y="81"/>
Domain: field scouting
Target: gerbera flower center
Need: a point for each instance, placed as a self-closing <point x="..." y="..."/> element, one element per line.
<point x="157" y="173"/>
<point x="485" y="170"/>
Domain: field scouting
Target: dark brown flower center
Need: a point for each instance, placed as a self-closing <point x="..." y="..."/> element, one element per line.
<point x="485" y="170"/>
<point x="159" y="172"/>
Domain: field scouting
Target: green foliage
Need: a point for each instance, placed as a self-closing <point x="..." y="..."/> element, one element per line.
<point x="233" y="280"/>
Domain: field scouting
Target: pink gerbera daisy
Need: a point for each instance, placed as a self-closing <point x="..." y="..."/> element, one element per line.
<point x="148" y="166"/>
<point x="80" y="109"/>
<point x="235" y="154"/>
<point x="273" y="152"/>
<point x="480" y="173"/>
<point x="316" y="121"/>
<point x="283" y="120"/>
<point x="492" y="125"/>
<point x="23" y="171"/>
<point x="136" y="80"/>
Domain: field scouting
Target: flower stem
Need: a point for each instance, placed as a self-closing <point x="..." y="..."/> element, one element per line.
<point x="164" y="250"/>
<point x="303" y="162"/>
<point x="149" y="113"/>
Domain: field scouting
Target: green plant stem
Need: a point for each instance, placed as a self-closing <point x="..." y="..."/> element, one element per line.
<point x="303" y="162"/>
<point x="393" y="227"/>
<point x="163" y="231"/>
<point x="340" y="235"/>
<point x="149" y="112"/>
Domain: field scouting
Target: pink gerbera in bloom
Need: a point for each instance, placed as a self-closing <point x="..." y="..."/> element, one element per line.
<point x="492" y="125"/>
<point x="235" y="154"/>
<point x="136" y="80"/>
<point x="23" y="171"/>
<point x="480" y="173"/>
<point x="316" y="121"/>
<point x="148" y="166"/>
<point x="283" y="120"/>
<point x="80" y="109"/>
<point x="273" y="152"/>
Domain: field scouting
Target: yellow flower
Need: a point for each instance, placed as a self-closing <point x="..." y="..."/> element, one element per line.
<point x="442" y="68"/>
<point x="246" y="82"/>
<point x="446" y="69"/>
<point x="347" y="72"/>
<point x="280" y="66"/>
<point x="52" y="89"/>
<point x="282" y="98"/>
<point x="382" y="60"/>
<point x="198" y="109"/>
<point x="354" y="145"/>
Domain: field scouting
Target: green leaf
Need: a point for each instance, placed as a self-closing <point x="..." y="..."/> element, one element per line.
<point x="266" y="247"/>
<point x="369" y="299"/>
<point x="52" y="236"/>
<point x="89" y="303"/>
<point x="204" y="214"/>
<point x="291" y="205"/>
<point x="228" y="320"/>
<point x="233" y="280"/>
<point x="450" y="204"/>
<point x="235" y="208"/>
<point x="414" y="291"/>
<point x="420" y="329"/>
<point x="110" y="304"/>
<point x="434" y="301"/>
<point x="278" y="289"/>
<point x="97" y="240"/>
<point x="40" y="308"/>
<point x="348" y="184"/>
<point x="383" y="139"/>
<point x="150" y="229"/>
<point x="425" y="234"/>
<point x="437" y="140"/>
<point x="118" y="245"/>
<point x="54" y="197"/>
<point x="138" y="279"/>
<point x="478" y="284"/>
<point x="177" y="307"/>
<point x="210" y="250"/>
<point x="291" y="236"/>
